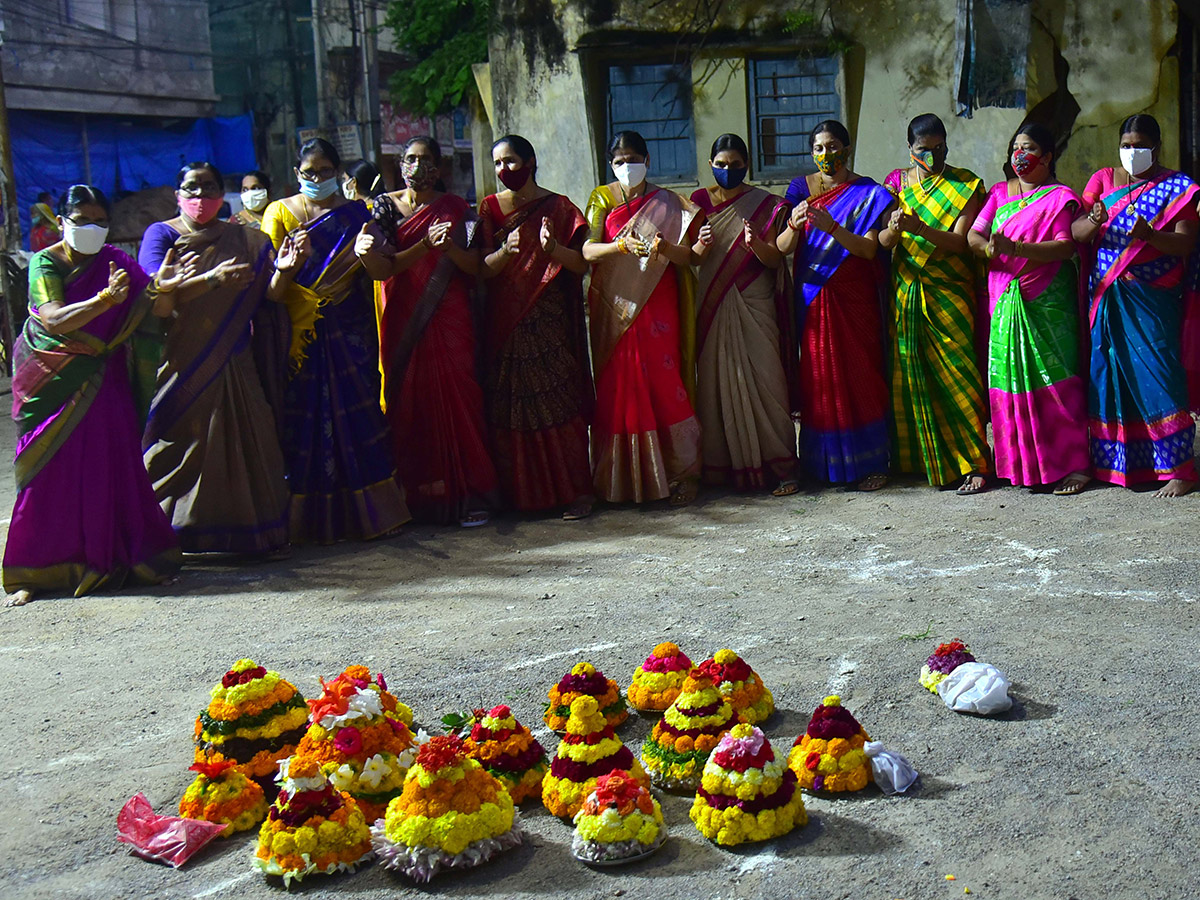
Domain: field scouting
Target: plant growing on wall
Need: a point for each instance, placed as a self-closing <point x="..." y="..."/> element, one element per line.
<point x="445" y="38"/>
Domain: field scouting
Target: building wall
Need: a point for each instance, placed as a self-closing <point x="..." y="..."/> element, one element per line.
<point x="1115" y="62"/>
<point x="122" y="57"/>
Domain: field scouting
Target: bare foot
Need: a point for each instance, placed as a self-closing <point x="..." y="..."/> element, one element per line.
<point x="1072" y="484"/>
<point x="682" y="493"/>
<point x="580" y="509"/>
<point x="20" y="598"/>
<point x="1176" y="487"/>
<point x="973" y="484"/>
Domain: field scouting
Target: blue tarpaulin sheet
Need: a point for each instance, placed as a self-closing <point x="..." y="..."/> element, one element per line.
<point x="125" y="155"/>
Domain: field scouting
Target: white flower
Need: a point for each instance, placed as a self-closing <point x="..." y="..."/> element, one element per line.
<point x="375" y="770"/>
<point x="342" y="777"/>
<point x="365" y="702"/>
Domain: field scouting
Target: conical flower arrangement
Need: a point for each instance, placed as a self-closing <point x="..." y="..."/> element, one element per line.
<point x="740" y="685"/>
<point x="619" y="820"/>
<point x="359" y="739"/>
<point x="311" y="828"/>
<point x="589" y="750"/>
<point x="675" y="752"/>
<point x="746" y="795"/>
<point x="451" y="815"/>
<point x="584" y="680"/>
<point x="222" y="793"/>
<point x="945" y="659"/>
<point x="658" y="680"/>
<point x="254" y="718"/>
<point x="508" y="751"/>
<point x="829" y="756"/>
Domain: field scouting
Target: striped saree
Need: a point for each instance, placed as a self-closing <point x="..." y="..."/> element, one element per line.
<point x="937" y="390"/>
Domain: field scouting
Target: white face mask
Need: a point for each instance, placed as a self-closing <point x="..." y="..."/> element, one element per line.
<point x="254" y="199"/>
<point x="84" y="239"/>
<point x="1136" y="160"/>
<point x="350" y="189"/>
<point x="630" y="174"/>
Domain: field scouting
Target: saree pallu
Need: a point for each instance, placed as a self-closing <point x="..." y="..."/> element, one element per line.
<point x="86" y="517"/>
<point x="539" y="380"/>
<point x="747" y="434"/>
<point x="937" y="389"/>
<point x="431" y="390"/>
<point x="210" y="443"/>
<point x="335" y="440"/>
<point x="1035" y="389"/>
<point x="1138" y="405"/>
<point x="645" y="437"/>
<point x="843" y="398"/>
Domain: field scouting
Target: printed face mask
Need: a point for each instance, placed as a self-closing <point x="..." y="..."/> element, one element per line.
<point x="420" y="174"/>
<point x="1024" y="162"/>
<point x="200" y="209"/>
<point x="85" y="239"/>
<point x="319" y="190"/>
<point x="729" y="178"/>
<point x="1136" y="160"/>
<point x="930" y="161"/>
<point x="254" y="199"/>
<point x="349" y="189"/>
<point x="630" y="174"/>
<point x="831" y="162"/>
<point x="514" y="179"/>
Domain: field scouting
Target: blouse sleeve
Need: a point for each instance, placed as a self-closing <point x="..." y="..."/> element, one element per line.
<point x="277" y="222"/>
<point x="797" y="191"/>
<point x="158" y="239"/>
<point x="1094" y="190"/>
<point x="45" y="281"/>
<point x="598" y="207"/>
<point x="1060" y="229"/>
<point x="983" y="222"/>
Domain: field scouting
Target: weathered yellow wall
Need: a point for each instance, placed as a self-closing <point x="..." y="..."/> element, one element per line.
<point x="720" y="105"/>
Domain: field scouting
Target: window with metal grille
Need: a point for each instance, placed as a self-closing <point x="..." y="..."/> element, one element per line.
<point x="656" y="102"/>
<point x="788" y="97"/>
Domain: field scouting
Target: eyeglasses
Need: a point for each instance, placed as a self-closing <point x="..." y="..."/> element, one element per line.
<point x="319" y="175"/>
<point x="207" y="189"/>
<point x="80" y="223"/>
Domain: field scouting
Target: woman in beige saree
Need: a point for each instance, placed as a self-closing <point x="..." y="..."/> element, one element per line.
<point x="743" y="332"/>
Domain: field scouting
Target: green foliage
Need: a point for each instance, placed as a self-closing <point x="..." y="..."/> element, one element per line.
<point x="445" y="38"/>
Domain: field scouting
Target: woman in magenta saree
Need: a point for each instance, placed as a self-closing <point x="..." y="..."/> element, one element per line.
<point x="431" y="391"/>
<point x="1143" y="220"/>
<point x="1035" y="387"/>
<point x="86" y="517"/>
<point x="843" y="392"/>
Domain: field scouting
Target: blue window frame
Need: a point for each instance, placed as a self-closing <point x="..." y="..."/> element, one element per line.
<point x="656" y="102"/>
<point x="787" y="98"/>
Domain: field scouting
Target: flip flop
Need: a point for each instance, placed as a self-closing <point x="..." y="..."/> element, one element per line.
<point x="577" y="511"/>
<point x="474" y="518"/>
<point x="873" y="482"/>
<point x="1068" y="487"/>
<point x="965" y="489"/>
<point x="786" y="488"/>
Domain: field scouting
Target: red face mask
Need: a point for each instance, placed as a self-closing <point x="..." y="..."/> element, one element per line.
<point x="1024" y="162"/>
<point x="514" y="179"/>
<point x="200" y="209"/>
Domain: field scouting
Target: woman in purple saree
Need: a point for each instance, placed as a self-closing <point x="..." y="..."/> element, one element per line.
<point x="84" y="369"/>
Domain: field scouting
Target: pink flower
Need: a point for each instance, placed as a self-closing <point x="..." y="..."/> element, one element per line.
<point x="348" y="740"/>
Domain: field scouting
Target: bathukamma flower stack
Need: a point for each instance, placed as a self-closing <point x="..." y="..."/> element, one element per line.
<point x="829" y="755"/>
<point x="311" y="828"/>
<point x="658" y="680"/>
<point x="508" y="751"/>
<point x="451" y="815"/>
<point x="619" y="820"/>
<point x="222" y="793"/>
<point x="254" y="718"/>
<point x="359" y="738"/>
<point x="584" y="680"/>
<point x="745" y="794"/>
<point x="740" y="685"/>
<point x="945" y="659"/>
<point x="679" y="745"/>
<point x="588" y="750"/>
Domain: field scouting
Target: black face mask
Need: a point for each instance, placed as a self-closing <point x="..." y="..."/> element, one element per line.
<point x="729" y="178"/>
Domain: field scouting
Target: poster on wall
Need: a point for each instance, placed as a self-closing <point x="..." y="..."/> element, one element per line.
<point x="398" y="127"/>
<point x="345" y="137"/>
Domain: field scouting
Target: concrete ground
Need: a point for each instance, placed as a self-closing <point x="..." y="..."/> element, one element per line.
<point x="1085" y="790"/>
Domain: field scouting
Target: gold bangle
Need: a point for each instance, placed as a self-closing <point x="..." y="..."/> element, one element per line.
<point x="162" y="290"/>
<point x="622" y="245"/>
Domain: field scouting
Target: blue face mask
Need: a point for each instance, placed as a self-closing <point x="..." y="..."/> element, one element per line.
<point x="319" y="190"/>
<point x="729" y="178"/>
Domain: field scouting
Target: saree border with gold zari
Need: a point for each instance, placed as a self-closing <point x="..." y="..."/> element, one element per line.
<point x="937" y="389"/>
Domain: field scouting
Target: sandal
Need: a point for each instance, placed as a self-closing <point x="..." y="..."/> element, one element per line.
<point x="968" y="487"/>
<point x="682" y="494"/>
<point x="873" y="482"/>
<point x="786" y="488"/>
<point x="580" y="509"/>
<point x="1072" y="484"/>
<point x="474" y="518"/>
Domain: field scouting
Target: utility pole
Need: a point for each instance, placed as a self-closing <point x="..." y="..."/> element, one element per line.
<point x="319" y="62"/>
<point x="12" y="224"/>
<point x="370" y="64"/>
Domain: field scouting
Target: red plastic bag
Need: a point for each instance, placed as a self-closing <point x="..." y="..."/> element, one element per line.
<point x="168" y="839"/>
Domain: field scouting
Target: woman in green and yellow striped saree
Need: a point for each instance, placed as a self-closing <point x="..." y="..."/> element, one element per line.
<point x="937" y="389"/>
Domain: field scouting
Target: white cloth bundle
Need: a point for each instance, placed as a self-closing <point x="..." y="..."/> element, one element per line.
<point x="891" y="771"/>
<point x="976" y="688"/>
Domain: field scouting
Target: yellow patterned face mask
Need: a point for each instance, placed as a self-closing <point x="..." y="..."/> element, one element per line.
<point x="830" y="162"/>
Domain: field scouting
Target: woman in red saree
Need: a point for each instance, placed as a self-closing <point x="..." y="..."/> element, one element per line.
<point x="431" y="394"/>
<point x="538" y="377"/>
<point x="642" y="240"/>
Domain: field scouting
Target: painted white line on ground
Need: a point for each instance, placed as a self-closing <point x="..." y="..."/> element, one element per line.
<point x="840" y="679"/>
<point x="224" y="885"/>
<point x="72" y="758"/>
<point x="537" y="661"/>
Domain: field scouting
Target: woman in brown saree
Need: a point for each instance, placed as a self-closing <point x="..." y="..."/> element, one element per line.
<point x="642" y="240"/>
<point x="210" y="443"/>
<point x="538" y="378"/>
